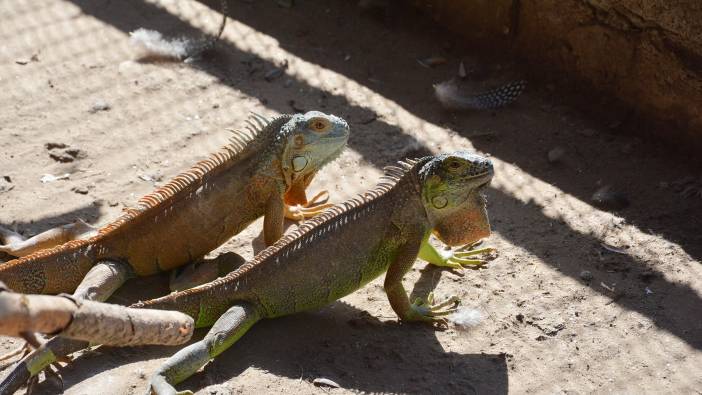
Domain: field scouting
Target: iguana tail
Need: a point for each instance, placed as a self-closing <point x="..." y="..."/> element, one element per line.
<point x="51" y="271"/>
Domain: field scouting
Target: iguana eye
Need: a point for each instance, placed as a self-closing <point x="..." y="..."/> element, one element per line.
<point x="319" y="125"/>
<point x="455" y="165"/>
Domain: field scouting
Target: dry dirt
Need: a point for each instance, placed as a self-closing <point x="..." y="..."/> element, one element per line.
<point x="634" y="327"/>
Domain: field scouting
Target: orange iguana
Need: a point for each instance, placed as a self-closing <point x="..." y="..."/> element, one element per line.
<point x="262" y="171"/>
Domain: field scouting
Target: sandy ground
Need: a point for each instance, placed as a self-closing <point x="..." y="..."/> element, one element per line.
<point x="634" y="327"/>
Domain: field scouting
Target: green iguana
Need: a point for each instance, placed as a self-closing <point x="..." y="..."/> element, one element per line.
<point x="332" y="255"/>
<point x="263" y="171"/>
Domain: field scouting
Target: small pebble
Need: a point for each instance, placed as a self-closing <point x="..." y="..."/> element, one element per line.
<point x="6" y="184"/>
<point x="80" y="190"/>
<point x="586" y="275"/>
<point x="273" y="74"/>
<point x="556" y="154"/>
<point x="99" y="105"/>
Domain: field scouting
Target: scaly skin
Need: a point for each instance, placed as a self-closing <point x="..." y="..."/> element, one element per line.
<point x="334" y="254"/>
<point x="200" y="209"/>
<point x="260" y="173"/>
<point x="339" y="252"/>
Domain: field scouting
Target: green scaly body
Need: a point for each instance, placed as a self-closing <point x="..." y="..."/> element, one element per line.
<point x="325" y="259"/>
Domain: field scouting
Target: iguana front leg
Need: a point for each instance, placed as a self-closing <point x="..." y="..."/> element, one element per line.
<point x="457" y="259"/>
<point x="226" y="331"/>
<point x="298" y="208"/>
<point x="17" y="245"/>
<point x="273" y="227"/>
<point x="314" y="206"/>
<point x="423" y="310"/>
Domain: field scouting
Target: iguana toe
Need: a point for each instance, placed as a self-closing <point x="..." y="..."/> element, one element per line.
<point x="315" y="206"/>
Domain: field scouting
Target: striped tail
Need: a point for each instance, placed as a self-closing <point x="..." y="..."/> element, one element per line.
<point x="51" y="271"/>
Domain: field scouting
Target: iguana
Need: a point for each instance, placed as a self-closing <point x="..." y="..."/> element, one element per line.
<point x="332" y="255"/>
<point x="263" y="171"/>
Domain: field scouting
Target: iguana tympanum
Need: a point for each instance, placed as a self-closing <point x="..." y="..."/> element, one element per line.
<point x="263" y="171"/>
<point x="338" y="252"/>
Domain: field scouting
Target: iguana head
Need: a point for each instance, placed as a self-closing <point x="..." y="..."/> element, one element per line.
<point x="313" y="139"/>
<point x="451" y="188"/>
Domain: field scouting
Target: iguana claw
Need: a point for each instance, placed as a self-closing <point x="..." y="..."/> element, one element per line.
<point x="427" y="311"/>
<point x="315" y="206"/>
<point x="457" y="259"/>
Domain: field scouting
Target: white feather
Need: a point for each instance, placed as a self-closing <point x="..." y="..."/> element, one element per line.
<point x="466" y="317"/>
<point x="154" y="44"/>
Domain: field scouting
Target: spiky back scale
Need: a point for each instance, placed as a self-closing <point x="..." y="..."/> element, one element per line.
<point x="321" y="261"/>
<point x="179" y="222"/>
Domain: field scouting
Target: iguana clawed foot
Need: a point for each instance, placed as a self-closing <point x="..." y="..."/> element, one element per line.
<point x="459" y="259"/>
<point x="464" y="257"/>
<point x="315" y="206"/>
<point x="426" y="310"/>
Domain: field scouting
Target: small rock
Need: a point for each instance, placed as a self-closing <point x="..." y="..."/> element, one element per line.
<point x="586" y="275"/>
<point x="607" y="199"/>
<point x="556" y="154"/>
<point x="296" y="107"/>
<point x="50" y="146"/>
<point x="99" y="105"/>
<point x="276" y="72"/>
<point x="63" y="153"/>
<point x="51" y="178"/>
<point x="81" y="190"/>
<point x="6" y="184"/>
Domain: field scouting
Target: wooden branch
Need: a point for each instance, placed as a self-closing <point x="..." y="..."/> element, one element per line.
<point x="96" y="322"/>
